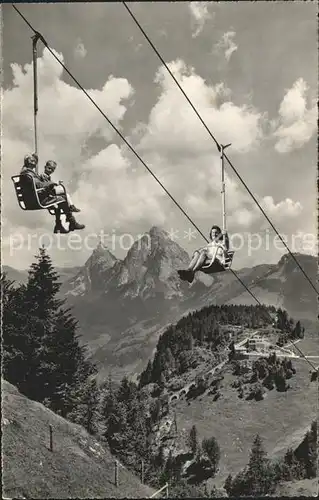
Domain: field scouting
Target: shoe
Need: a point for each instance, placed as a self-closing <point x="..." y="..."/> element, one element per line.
<point x="186" y="275"/>
<point x="190" y="276"/>
<point x="74" y="209"/>
<point x="75" y="225"/>
<point x="58" y="228"/>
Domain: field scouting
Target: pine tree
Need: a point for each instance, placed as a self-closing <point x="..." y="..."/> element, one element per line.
<point x="193" y="440"/>
<point x="160" y="457"/>
<point x="169" y="467"/>
<point x="228" y="484"/>
<point x="259" y="474"/>
<point x="69" y="371"/>
<point x="158" y="366"/>
<point x="43" y="286"/>
<point x="291" y="469"/>
<point x="155" y="410"/>
<point x="146" y="376"/>
<point x="127" y="390"/>
<point x="53" y="363"/>
<point x="85" y="406"/>
<point x="280" y="380"/>
<point x="211" y="448"/>
<point x="306" y="453"/>
<point x="17" y="351"/>
<point x="231" y="354"/>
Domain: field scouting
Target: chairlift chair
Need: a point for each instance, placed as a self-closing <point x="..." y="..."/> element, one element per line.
<point x="218" y="266"/>
<point x="28" y="195"/>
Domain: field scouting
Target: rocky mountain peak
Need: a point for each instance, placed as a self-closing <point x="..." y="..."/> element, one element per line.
<point x="101" y="256"/>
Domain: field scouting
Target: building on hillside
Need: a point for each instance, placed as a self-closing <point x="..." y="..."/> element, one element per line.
<point x="257" y="343"/>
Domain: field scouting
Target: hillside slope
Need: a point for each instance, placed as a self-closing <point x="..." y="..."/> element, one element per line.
<point x="78" y="467"/>
<point x="303" y="488"/>
<point x="284" y="285"/>
<point x="281" y="419"/>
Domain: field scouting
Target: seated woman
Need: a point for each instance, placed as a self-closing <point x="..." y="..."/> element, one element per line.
<point x="214" y="250"/>
<point x="46" y="195"/>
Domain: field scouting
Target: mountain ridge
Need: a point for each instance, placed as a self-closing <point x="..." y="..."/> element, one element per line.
<point x="122" y="305"/>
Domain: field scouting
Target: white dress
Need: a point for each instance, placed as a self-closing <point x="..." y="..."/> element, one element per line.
<point x="215" y="249"/>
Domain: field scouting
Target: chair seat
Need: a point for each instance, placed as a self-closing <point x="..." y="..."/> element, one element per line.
<point x="218" y="266"/>
<point x="28" y="195"/>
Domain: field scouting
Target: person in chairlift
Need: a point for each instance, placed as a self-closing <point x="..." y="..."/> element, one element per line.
<point x="46" y="195"/>
<point x="49" y="169"/>
<point x="214" y="250"/>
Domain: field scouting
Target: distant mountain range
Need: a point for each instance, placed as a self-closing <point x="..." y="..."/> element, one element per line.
<point x="19" y="276"/>
<point x="123" y="305"/>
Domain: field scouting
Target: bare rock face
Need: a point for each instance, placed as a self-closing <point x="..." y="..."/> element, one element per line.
<point x="148" y="270"/>
<point x="95" y="273"/>
<point x="150" y="267"/>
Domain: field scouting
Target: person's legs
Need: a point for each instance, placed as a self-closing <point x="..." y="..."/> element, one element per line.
<point x="196" y="263"/>
<point x="198" y="260"/>
<point x="70" y="202"/>
<point x="60" y="190"/>
<point x="194" y="260"/>
<point x="68" y="199"/>
<point x="59" y="228"/>
<point x="73" y="224"/>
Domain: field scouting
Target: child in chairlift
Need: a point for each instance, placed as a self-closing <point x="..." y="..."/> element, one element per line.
<point x="216" y="249"/>
<point x="49" y="169"/>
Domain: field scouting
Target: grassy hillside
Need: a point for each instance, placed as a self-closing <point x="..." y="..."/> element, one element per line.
<point x="303" y="488"/>
<point x="281" y="419"/>
<point x="78" y="467"/>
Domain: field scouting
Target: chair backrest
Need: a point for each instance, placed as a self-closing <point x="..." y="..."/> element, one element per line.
<point x="26" y="192"/>
<point x="229" y="259"/>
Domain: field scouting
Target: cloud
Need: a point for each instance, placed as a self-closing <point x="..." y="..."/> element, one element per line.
<point x="80" y="51"/>
<point x="250" y="216"/>
<point x="285" y="208"/>
<point x="110" y="190"/>
<point x="200" y="14"/>
<point x="185" y="158"/>
<point x="227" y="44"/>
<point x="297" y="122"/>
<point x="173" y="126"/>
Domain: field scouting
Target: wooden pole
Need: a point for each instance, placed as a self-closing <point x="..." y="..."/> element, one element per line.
<point x="116" y="473"/>
<point x="142" y="473"/>
<point x="165" y="487"/>
<point x="51" y="437"/>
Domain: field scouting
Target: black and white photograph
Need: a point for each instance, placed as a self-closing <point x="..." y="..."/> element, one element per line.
<point x="159" y="242"/>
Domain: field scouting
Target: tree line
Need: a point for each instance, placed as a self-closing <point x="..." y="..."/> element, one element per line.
<point x="42" y="355"/>
<point x="176" y="353"/>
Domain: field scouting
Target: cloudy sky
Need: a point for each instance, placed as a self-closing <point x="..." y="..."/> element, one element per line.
<point x="250" y="69"/>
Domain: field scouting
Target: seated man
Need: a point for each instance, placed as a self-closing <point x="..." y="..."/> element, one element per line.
<point x="46" y="196"/>
<point x="214" y="250"/>
<point x="57" y="189"/>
